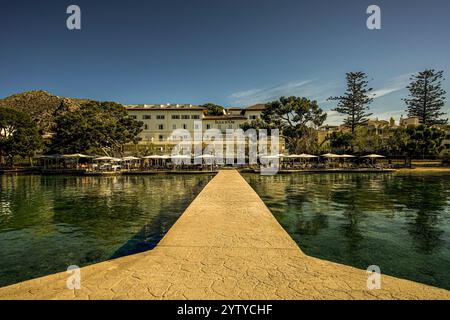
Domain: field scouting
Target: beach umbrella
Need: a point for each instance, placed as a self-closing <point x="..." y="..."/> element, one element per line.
<point x="307" y="156"/>
<point x="205" y="156"/>
<point x="347" y="156"/>
<point x="271" y="157"/>
<point x="373" y="156"/>
<point x="52" y="156"/>
<point x="181" y="156"/>
<point x="130" y="158"/>
<point x="330" y="155"/>
<point x="178" y="158"/>
<point x="104" y="159"/>
<point x="154" y="157"/>
<point x="107" y="159"/>
<point x="300" y="156"/>
<point x="76" y="156"/>
<point x="129" y="161"/>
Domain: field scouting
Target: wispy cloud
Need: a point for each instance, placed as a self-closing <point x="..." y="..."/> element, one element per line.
<point x="306" y="88"/>
<point x="314" y="89"/>
<point x="379" y="109"/>
<point x="334" y="118"/>
<point x="393" y="85"/>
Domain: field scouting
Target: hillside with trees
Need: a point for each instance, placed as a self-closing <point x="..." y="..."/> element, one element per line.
<point x="42" y="107"/>
<point x="40" y="122"/>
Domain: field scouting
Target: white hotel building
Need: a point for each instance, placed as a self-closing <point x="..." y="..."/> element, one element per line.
<point x="161" y="120"/>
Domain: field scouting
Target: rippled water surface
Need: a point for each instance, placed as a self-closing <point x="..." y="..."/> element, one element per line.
<point x="400" y="222"/>
<point x="50" y="223"/>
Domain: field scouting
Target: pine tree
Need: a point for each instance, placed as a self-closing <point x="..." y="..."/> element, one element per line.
<point x="355" y="102"/>
<point x="426" y="97"/>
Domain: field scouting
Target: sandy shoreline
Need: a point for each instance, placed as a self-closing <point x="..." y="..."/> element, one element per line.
<point x="423" y="169"/>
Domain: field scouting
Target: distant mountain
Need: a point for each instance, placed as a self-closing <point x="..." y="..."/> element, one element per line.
<point x="42" y="106"/>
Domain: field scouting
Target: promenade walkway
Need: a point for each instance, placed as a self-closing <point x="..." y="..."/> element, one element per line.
<point x="227" y="245"/>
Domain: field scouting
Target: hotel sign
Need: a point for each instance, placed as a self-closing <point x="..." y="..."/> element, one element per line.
<point x="224" y="121"/>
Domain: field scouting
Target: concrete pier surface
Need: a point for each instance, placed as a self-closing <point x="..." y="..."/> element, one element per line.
<point x="226" y="245"/>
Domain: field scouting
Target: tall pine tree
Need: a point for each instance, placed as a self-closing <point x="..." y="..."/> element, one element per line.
<point x="355" y="102"/>
<point x="426" y="97"/>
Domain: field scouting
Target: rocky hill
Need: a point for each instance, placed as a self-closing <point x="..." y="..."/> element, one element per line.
<point x="42" y="106"/>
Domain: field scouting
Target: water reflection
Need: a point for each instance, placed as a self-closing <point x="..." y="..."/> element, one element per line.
<point x="428" y="199"/>
<point x="49" y="223"/>
<point x="399" y="222"/>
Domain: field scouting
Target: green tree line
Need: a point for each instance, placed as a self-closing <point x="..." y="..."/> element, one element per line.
<point x="298" y="118"/>
<point x="94" y="128"/>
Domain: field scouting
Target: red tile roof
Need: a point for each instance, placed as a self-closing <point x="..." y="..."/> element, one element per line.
<point x="225" y="117"/>
<point x="257" y="107"/>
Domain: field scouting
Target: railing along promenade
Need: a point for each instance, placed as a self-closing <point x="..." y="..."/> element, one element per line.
<point x="226" y="245"/>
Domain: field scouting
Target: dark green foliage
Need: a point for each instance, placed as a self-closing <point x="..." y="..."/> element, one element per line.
<point x="19" y="135"/>
<point x="355" y="101"/>
<point x="426" y="97"/>
<point x="95" y="128"/>
<point x="413" y="142"/>
<point x="256" y="124"/>
<point x="213" y="109"/>
<point x="295" y="117"/>
<point x="424" y="141"/>
<point x="341" y="142"/>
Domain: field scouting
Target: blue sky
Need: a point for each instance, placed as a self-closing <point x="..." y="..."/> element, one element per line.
<point x="234" y="52"/>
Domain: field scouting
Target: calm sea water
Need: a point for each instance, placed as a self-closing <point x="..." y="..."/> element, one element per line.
<point x="50" y="223"/>
<point x="399" y="222"/>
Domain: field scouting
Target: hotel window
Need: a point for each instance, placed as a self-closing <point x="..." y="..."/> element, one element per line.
<point x="160" y="117"/>
<point x="160" y="126"/>
<point x="184" y="126"/>
<point x="174" y="126"/>
<point x="161" y="138"/>
<point x="185" y="116"/>
<point x="175" y="116"/>
<point x="145" y="126"/>
<point x="208" y="126"/>
<point x="146" y="117"/>
<point x="196" y="127"/>
<point x="253" y="117"/>
<point x="195" y="117"/>
<point x="133" y="117"/>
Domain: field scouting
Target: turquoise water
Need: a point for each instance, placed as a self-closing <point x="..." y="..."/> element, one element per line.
<point x="50" y="223"/>
<point x="400" y="222"/>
